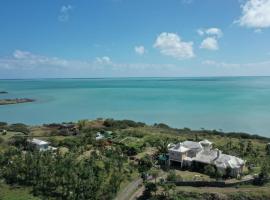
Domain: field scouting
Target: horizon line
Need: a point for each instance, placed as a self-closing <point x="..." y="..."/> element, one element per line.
<point x="134" y="77"/>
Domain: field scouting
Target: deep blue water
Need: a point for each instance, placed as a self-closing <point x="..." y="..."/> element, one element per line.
<point x="230" y="104"/>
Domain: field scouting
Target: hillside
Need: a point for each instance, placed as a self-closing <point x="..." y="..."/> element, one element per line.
<point x="86" y="166"/>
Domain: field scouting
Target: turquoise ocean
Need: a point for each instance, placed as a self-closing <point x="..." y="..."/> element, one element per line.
<point x="239" y="104"/>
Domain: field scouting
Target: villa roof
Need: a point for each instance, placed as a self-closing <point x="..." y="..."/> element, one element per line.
<point x="219" y="159"/>
<point x="192" y="145"/>
<point x="225" y="160"/>
<point x="179" y="147"/>
<point x="38" y="142"/>
<point x="206" y="156"/>
<point x="205" y="142"/>
<point x="212" y="156"/>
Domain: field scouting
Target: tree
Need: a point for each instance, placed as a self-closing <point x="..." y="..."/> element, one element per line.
<point x="162" y="145"/>
<point x="81" y="124"/>
<point x="218" y="174"/>
<point x="149" y="188"/>
<point x="267" y="148"/>
<point x="264" y="173"/>
<point x="249" y="148"/>
<point x="210" y="170"/>
<point x="145" y="164"/>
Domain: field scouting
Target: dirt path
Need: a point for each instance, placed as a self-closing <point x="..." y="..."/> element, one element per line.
<point x="137" y="194"/>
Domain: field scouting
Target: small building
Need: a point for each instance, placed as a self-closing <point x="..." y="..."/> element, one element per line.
<point x="40" y="145"/>
<point x="189" y="153"/>
<point x="99" y="136"/>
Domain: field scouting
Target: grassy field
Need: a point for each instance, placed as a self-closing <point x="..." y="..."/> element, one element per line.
<point x="242" y="192"/>
<point x="15" y="193"/>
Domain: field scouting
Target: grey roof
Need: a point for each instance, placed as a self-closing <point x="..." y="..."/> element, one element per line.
<point x="205" y="142"/>
<point x="192" y="145"/>
<point x="38" y="142"/>
<point x="225" y="161"/>
<point x="213" y="156"/>
<point x="207" y="157"/>
<point x="219" y="159"/>
<point x="179" y="147"/>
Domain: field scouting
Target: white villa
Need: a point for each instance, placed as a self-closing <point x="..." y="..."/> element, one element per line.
<point x="41" y="145"/>
<point x="99" y="136"/>
<point x="188" y="152"/>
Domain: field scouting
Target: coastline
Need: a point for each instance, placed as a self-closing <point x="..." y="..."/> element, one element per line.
<point x="15" y="101"/>
<point x="176" y="102"/>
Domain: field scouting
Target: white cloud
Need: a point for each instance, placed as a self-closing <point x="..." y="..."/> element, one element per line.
<point x="216" y="32"/>
<point x="170" y="44"/>
<point x="209" y="43"/>
<point x="140" y="50"/>
<point x="244" y="66"/>
<point x="26" y="64"/>
<point x="25" y="58"/>
<point x="65" y="13"/>
<point x="200" y="32"/>
<point x="255" y="14"/>
<point x="105" y="60"/>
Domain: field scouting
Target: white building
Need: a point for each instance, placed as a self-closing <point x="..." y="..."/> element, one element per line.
<point x="188" y="152"/>
<point x="99" y="136"/>
<point x="41" y="145"/>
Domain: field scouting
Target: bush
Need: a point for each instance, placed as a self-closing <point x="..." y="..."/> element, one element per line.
<point x="210" y="170"/>
<point x="162" y="125"/>
<point x="3" y="125"/>
<point x="19" y="127"/>
<point x="18" y="141"/>
<point x="1" y="140"/>
<point x="172" y="176"/>
<point x="122" y="124"/>
<point x="145" y="164"/>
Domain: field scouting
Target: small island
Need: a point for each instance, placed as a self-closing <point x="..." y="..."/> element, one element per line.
<point x="15" y="101"/>
<point x="3" y="92"/>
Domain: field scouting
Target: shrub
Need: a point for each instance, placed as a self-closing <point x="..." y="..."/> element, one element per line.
<point x="145" y="164"/>
<point x="172" y="176"/>
<point x="210" y="170"/>
<point x="1" y="140"/>
<point x="19" y="127"/>
<point x="122" y="124"/>
<point x="18" y="141"/>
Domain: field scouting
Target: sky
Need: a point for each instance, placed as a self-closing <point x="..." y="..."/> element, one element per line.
<point x="134" y="38"/>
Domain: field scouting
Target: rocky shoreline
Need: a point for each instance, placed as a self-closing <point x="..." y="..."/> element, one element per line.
<point x="15" y="101"/>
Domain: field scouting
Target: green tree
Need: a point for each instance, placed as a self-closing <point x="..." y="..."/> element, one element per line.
<point x="210" y="170"/>
<point x="267" y="149"/>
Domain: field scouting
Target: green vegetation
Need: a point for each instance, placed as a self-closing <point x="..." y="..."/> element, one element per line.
<point x="15" y="193"/>
<point x="86" y="168"/>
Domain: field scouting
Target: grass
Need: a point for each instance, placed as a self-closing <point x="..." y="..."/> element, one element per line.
<point x="244" y="188"/>
<point x="15" y="193"/>
<point x="189" y="176"/>
<point x="4" y="145"/>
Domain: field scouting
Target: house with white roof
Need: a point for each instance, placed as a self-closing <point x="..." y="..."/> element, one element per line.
<point x="188" y="153"/>
<point x="40" y="145"/>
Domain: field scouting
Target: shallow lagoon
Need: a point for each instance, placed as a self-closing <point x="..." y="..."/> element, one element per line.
<point x="230" y="104"/>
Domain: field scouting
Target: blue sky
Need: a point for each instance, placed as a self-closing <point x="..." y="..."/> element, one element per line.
<point x="133" y="38"/>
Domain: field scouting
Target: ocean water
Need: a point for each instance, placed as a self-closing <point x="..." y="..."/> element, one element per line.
<point x="230" y="104"/>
